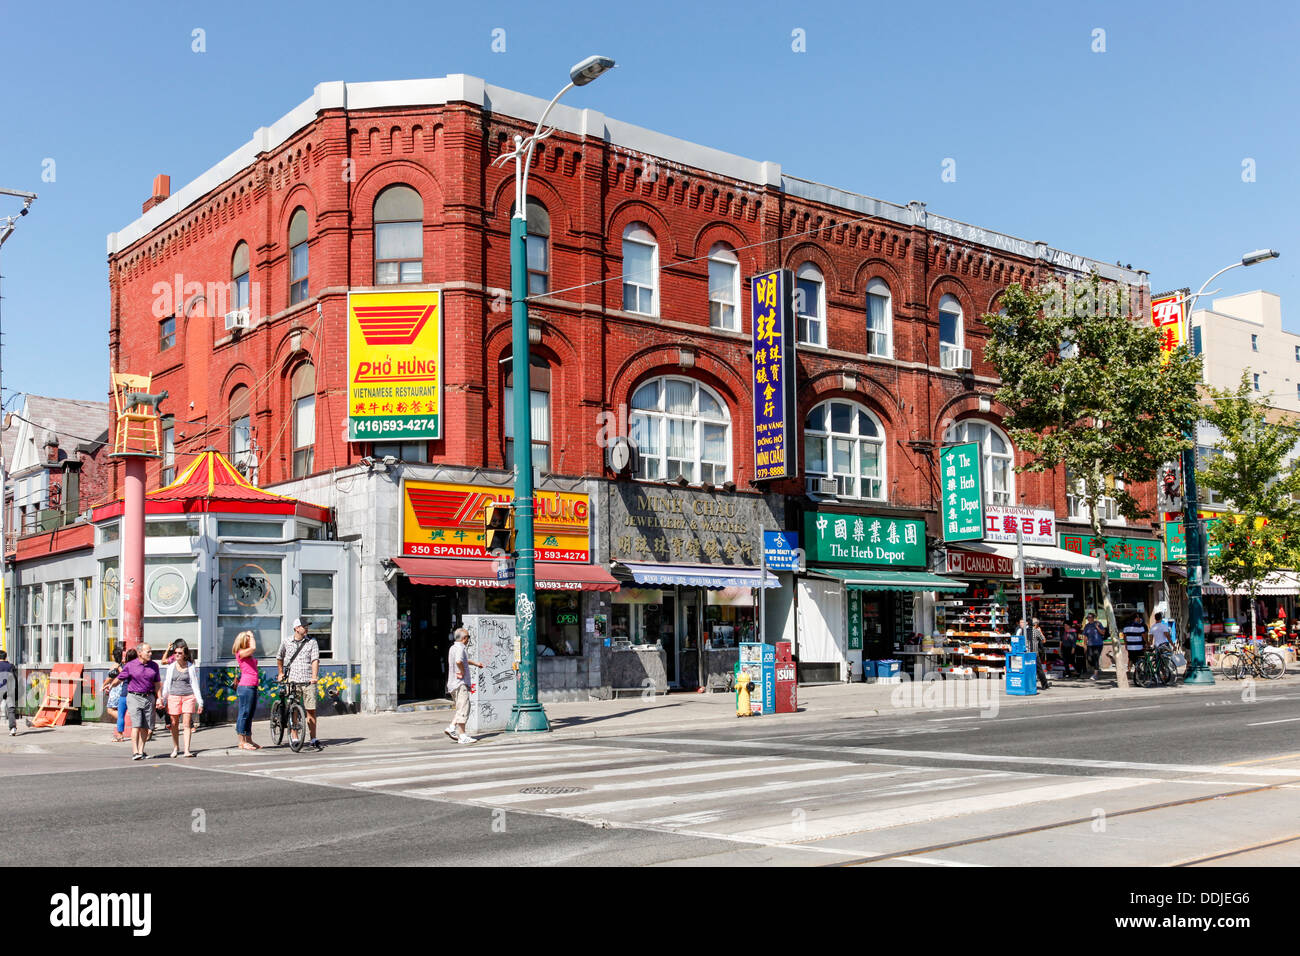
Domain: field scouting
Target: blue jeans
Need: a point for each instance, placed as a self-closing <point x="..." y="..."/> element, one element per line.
<point x="247" y="697"/>
<point x="121" y="713"/>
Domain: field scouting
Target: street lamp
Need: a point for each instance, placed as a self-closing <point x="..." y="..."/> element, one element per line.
<point x="527" y="713"/>
<point x="1196" y="556"/>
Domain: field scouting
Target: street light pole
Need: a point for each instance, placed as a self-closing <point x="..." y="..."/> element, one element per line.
<point x="1196" y="551"/>
<point x="528" y="713"/>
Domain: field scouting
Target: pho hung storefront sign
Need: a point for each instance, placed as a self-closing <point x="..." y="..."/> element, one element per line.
<point x="445" y="520"/>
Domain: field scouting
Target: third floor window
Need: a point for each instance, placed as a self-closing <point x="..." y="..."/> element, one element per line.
<point x="399" y="236"/>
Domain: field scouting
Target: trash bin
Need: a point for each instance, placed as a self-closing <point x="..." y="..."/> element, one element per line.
<point x="889" y="672"/>
<point x="1022" y="674"/>
<point x="869" y="671"/>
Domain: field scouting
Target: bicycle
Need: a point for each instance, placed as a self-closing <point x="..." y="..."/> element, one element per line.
<point x="287" y="713"/>
<point x="1244" y="659"/>
<point x="1155" y="668"/>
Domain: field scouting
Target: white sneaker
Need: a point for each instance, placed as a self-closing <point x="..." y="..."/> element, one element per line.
<point x="12" y="732"/>
<point x="451" y="732"/>
<point x="466" y="739"/>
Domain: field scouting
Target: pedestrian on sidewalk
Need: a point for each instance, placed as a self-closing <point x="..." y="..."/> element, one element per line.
<point x="9" y="694"/>
<point x="245" y="651"/>
<point x="458" y="665"/>
<point x="304" y="668"/>
<point x="182" y="697"/>
<point x="1094" y="632"/>
<point x="116" y="694"/>
<point x="1038" y="646"/>
<point x="143" y="685"/>
<point x="1135" y="639"/>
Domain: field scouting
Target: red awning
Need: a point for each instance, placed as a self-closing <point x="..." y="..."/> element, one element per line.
<point x="474" y="573"/>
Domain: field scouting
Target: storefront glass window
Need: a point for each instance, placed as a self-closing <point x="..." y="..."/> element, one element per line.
<point x="729" y="617"/>
<point x="175" y="528"/>
<point x="250" y="529"/>
<point x="318" y="609"/>
<point x="636" y="616"/>
<point x="86" y="617"/>
<point x="109" y="593"/>
<point x="250" y="598"/>
<point x="559" y="623"/>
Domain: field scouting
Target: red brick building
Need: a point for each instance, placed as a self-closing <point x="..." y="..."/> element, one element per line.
<point x="639" y="274"/>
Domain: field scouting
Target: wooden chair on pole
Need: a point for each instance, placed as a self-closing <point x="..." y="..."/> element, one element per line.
<point x="137" y="415"/>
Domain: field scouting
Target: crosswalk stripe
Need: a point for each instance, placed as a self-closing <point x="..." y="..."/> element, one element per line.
<point x="613" y="772"/>
<point x="461" y="774"/>
<point x="490" y="753"/>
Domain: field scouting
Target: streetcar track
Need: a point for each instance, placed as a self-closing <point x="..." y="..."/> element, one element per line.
<point x="1248" y="849"/>
<point x="1025" y="831"/>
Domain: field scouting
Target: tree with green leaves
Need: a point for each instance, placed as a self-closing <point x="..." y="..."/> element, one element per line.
<point x="1252" y="470"/>
<point x="1089" y="390"/>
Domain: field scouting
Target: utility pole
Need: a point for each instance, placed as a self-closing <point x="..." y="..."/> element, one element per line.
<point x="9" y="222"/>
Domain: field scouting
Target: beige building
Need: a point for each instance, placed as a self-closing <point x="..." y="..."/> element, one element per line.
<point x="1244" y="333"/>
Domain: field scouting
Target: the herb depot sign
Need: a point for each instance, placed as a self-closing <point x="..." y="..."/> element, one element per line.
<point x="681" y="526"/>
<point x="836" y="538"/>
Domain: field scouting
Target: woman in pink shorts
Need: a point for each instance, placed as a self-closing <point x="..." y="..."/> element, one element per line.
<point x="181" y="694"/>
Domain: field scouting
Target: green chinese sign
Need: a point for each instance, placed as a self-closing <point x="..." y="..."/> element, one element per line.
<point x="834" y="538"/>
<point x="855" y="619"/>
<point x="1176" y="539"/>
<point x="963" y="496"/>
<point x="1141" y="554"/>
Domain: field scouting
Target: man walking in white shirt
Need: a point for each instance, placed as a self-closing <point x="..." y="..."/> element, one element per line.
<point x="458" y="665"/>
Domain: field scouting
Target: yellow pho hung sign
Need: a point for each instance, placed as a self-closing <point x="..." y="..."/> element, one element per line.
<point x="394" y="366"/>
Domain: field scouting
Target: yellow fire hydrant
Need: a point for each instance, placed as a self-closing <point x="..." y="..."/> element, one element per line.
<point x="743" y="684"/>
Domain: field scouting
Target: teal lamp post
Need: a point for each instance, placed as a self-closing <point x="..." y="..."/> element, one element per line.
<point x="528" y="713"/>
<point x="1197" y="561"/>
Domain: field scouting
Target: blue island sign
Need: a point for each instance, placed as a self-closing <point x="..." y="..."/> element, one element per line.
<point x="775" y="450"/>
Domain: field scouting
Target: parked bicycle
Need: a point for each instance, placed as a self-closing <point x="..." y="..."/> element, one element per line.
<point x="1156" y="668"/>
<point x="287" y="713"/>
<point x="1246" y="659"/>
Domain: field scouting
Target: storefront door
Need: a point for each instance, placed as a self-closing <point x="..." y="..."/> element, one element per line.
<point x="688" y="635"/>
<point x="427" y="616"/>
<point x="668" y="633"/>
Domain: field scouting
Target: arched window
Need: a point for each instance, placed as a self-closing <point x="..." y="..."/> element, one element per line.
<point x="539" y="399"/>
<point x="810" y="304"/>
<point x="682" y="429"/>
<point x="951" y="333"/>
<point x="239" y="291"/>
<point x="298" y="256"/>
<point x="399" y="236"/>
<point x="880" y="320"/>
<point x="302" y="391"/>
<point x="241" y="432"/>
<point x="724" y="288"/>
<point x="640" y="270"/>
<point x="538" y="243"/>
<point x="999" y="458"/>
<point x="844" y="441"/>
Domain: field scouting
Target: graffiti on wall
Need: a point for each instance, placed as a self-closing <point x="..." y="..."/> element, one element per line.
<point x="337" y="683"/>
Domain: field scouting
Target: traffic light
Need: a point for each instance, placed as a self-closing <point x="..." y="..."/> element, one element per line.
<point x="498" y="529"/>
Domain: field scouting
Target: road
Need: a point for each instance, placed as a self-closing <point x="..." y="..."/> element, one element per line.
<point x="1209" y="779"/>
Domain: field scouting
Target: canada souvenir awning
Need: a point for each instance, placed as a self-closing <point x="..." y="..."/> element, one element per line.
<point x="210" y="484"/>
<point x="1045" y="556"/>
<point x="479" y="573"/>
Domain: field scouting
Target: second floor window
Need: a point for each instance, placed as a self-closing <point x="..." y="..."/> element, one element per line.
<point x="810" y="304"/>
<point x="538" y="249"/>
<point x="682" y="430"/>
<point x="1254" y="343"/>
<point x="1077" y="504"/>
<point x="640" y="270"/>
<point x="298" y="257"/>
<point x="845" y="441"/>
<point x="539" y="395"/>
<point x="166" y="333"/>
<point x="239" y="286"/>
<point x="999" y="458"/>
<point x="399" y="236"/>
<point x="303" y="390"/>
<point x="241" y="433"/>
<point x="168" y="474"/>
<point x="880" y="320"/>
<point x="724" y="288"/>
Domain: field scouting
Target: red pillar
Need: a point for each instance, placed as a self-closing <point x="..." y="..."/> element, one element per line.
<point x="133" y="552"/>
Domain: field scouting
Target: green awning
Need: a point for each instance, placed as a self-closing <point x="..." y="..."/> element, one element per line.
<point x="862" y="579"/>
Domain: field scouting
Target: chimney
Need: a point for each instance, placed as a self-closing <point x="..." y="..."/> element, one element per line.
<point x="52" y="448"/>
<point x="162" y="188"/>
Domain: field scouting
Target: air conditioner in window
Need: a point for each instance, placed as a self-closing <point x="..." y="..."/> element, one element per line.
<point x="954" y="358"/>
<point x="237" y="319"/>
<point x="822" y="487"/>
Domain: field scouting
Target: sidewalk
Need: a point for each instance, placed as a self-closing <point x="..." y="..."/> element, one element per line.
<point x="351" y="733"/>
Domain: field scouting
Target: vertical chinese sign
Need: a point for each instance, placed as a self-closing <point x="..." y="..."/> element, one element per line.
<point x="960" y="475"/>
<point x="775" y="447"/>
<point x="394" y="366"/>
<point x="1167" y="317"/>
<point x="855" y="619"/>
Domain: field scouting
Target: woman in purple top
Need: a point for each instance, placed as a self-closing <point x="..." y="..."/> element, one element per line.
<point x="143" y="683"/>
<point x="245" y="650"/>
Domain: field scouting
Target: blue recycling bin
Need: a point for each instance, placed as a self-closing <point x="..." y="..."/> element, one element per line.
<point x="868" y="671"/>
<point x="1022" y="673"/>
<point x="888" y="669"/>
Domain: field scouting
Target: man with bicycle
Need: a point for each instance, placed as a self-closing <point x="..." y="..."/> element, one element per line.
<point x="1135" y="640"/>
<point x="304" y="669"/>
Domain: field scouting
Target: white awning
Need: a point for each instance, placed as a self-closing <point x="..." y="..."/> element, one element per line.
<point x="1277" y="583"/>
<point x="1044" y="555"/>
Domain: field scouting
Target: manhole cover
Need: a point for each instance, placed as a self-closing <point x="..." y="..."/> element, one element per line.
<point x="552" y="791"/>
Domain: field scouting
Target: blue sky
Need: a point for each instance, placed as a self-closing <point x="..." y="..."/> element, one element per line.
<point x="1132" y="154"/>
